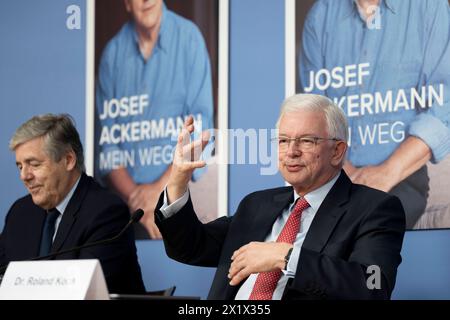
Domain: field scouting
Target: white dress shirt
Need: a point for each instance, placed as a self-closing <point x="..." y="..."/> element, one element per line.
<point x="63" y="205"/>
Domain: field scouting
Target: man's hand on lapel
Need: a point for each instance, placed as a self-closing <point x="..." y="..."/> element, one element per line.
<point x="257" y="257"/>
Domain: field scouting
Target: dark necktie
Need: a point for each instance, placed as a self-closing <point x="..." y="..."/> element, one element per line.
<point x="266" y="282"/>
<point x="48" y="231"/>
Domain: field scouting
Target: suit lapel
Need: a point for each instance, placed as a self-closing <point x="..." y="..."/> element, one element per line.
<point x="328" y="215"/>
<point x="264" y="217"/>
<point x="36" y="218"/>
<point x="268" y="211"/>
<point x="70" y="213"/>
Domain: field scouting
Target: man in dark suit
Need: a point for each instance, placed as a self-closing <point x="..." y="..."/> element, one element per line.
<point x="323" y="237"/>
<point x="65" y="207"/>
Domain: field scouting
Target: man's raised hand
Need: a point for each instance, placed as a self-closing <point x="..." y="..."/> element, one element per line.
<point x="185" y="160"/>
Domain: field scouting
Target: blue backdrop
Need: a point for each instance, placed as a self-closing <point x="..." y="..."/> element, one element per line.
<point x="42" y="69"/>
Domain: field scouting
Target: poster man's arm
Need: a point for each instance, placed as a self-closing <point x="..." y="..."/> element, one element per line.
<point x="144" y="196"/>
<point x="409" y="157"/>
<point x="311" y="58"/>
<point x="121" y="182"/>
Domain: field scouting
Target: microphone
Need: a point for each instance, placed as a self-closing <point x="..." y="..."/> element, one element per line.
<point x="135" y="217"/>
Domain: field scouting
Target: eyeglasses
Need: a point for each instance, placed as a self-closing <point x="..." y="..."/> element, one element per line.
<point x="303" y="144"/>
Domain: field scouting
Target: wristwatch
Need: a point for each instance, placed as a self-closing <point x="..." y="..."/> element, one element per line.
<point x="287" y="257"/>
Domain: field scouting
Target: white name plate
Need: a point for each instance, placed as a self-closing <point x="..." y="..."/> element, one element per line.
<point x="54" y="280"/>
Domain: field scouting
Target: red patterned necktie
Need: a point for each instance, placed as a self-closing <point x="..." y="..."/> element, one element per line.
<point x="266" y="282"/>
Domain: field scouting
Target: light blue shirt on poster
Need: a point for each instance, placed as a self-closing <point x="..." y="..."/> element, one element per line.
<point x="149" y="100"/>
<point x="410" y="49"/>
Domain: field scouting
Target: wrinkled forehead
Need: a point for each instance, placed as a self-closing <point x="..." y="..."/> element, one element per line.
<point x="303" y="123"/>
<point x="31" y="150"/>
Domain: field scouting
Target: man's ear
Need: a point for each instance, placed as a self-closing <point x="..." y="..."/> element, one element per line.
<point x="70" y="160"/>
<point x="339" y="153"/>
<point x="127" y="5"/>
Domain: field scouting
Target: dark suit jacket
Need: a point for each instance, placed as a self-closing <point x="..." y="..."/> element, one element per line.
<point x="355" y="227"/>
<point x="92" y="214"/>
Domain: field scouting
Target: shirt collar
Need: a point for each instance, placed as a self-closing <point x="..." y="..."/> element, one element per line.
<point x="350" y="7"/>
<point x="316" y="197"/>
<point x="63" y="204"/>
<point x="390" y="4"/>
<point x="164" y="30"/>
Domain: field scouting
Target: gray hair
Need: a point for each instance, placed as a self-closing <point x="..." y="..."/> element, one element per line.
<point x="337" y="125"/>
<point x="60" y="136"/>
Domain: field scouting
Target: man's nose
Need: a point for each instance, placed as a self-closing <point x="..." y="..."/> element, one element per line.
<point x="26" y="174"/>
<point x="293" y="149"/>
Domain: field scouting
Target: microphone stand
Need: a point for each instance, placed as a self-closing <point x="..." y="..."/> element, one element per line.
<point x="135" y="217"/>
